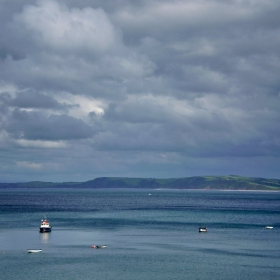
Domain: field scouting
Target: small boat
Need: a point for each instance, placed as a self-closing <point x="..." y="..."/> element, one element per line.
<point x="268" y="227"/>
<point x="34" y="250"/>
<point x="101" y="246"/>
<point x="202" y="229"/>
<point x="45" y="226"/>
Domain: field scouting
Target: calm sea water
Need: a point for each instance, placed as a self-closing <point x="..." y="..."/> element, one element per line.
<point x="147" y="236"/>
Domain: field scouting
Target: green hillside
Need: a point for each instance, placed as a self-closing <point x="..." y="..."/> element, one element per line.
<point x="230" y="182"/>
<point x="199" y="182"/>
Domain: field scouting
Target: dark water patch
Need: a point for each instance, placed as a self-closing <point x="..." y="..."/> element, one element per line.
<point x="215" y="225"/>
<point x="115" y="223"/>
<point x="244" y="253"/>
<point x="77" y="201"/>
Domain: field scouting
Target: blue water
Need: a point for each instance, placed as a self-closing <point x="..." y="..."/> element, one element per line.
<point x="147" y="236"/>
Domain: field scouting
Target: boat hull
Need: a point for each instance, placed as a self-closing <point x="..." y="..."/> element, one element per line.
<point x="34" y="250"/>
<point x="268" y="227"/>
<point x="45" y="230"/>
<point x="101" y="246"/>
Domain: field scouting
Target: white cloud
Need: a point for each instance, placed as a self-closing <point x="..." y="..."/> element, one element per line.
<point x="80" y="106"/>
<point x="59" y="27"/>
<point x="8" y="88"/>
<point x="29" y="165"/>
<point x="35" y="144"/>
<point x="192" y="13"/>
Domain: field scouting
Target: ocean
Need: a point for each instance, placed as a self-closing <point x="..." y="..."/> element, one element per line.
<point x="150" y="234"/>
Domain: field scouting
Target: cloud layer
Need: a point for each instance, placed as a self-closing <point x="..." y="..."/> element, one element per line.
<point x="139" y="88"/>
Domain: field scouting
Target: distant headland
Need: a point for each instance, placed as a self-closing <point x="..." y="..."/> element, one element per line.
<point x="231" y="182"/>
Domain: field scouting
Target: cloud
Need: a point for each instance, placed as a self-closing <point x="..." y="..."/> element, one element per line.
<point x="140" y="88"/>
<point x="38" y="126"/>
<point x="41" y="144"/>
<point x="29" y="165"/>
<point x="72" y="50"/>
<point x="32" y="99"/>
<point x="56" y="26"/>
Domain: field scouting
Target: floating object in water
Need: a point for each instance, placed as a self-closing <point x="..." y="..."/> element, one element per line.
<point x="92" y="246"/>
<point x="268" y="227"/>
<point x="202" y="229"/>
<point x="101" y="246"/>
<point x="45" y="226"/>
<point x="34" y="250"/>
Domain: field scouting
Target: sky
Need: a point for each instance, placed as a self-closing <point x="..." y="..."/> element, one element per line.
<point x="139" y="88"/>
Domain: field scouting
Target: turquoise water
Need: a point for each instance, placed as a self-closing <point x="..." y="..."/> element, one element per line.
<point x="147" y="236"/>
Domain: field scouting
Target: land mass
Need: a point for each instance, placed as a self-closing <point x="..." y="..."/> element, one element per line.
<point x="231" y="182"/>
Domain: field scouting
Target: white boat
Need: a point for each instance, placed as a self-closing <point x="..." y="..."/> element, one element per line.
<point x="202" y="229"/>
<point x="101" y="246"/>
<point x="34" y="250"/>
<point x="45" y="226"/>
<point x="268" y="227"/>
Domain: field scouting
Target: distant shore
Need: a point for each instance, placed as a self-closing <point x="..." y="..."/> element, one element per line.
<point x="223" y="183"/>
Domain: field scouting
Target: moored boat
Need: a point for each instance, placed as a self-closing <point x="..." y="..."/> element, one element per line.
<point x="45" y="226"/>
<point x="101" y="246"/>
<point x="268" y="227"/>
<point x="34" y="250"/>
<point x="202" y="229"/>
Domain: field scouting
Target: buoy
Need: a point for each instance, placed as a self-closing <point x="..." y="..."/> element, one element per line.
<point x="92" y="246"/>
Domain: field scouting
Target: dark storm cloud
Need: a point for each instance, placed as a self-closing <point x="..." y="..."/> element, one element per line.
<point x="5" y="53"/>
<point x="37" y="126"/>
<point x="32" y="99"/>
